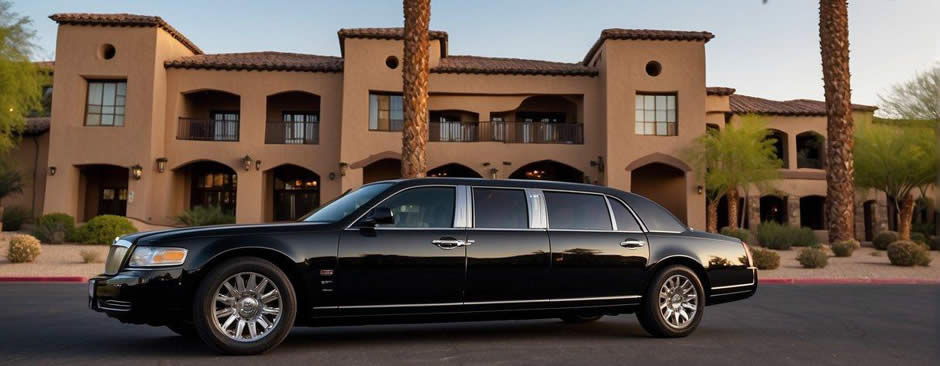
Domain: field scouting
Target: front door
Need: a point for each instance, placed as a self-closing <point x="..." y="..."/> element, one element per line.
<point x="113" y="201"/>
<point x="415" y="263"/>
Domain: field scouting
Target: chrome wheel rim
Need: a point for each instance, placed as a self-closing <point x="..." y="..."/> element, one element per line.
<point x="678" y="301"/>
<point x="246" y="307"/>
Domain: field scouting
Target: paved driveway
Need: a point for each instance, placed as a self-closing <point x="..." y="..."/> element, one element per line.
<point x="782" y="325"/>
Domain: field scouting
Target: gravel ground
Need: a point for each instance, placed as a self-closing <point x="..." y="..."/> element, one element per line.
<point x="55" y="260"/>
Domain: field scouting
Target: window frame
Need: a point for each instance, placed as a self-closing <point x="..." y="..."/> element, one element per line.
<point x="369" y="118"/>
<point x="533" y="214"/>
<point x="610" y="216"/>
<point x="455" y="225"/>
<point x="88" y="83"/>
<point x="674" y="94"/>
<point x="632" y="213"/>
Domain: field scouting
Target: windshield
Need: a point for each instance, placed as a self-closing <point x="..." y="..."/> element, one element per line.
<point x="344" y="205"/>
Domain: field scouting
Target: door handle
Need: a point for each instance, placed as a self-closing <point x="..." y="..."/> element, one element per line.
<point x="448" y="244"/>
<point x="632" y="244"/>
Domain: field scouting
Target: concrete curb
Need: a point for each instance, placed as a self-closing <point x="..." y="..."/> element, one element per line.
<point x="68" y="279"/>
<point x="847" y="281"/>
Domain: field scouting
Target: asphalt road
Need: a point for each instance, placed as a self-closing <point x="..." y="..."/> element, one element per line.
<point x="782" y="325"/>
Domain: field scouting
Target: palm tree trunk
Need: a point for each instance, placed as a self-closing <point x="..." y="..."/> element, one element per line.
<point x="415" y="87"/>
<point x="712" y="225"/>
<point x="733" y="208"/>
<point x="834" y="43"/>
<point x="906" y="213"/>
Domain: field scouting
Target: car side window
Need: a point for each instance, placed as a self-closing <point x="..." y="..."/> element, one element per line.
<point x="623" y="217"/>
<point x="425" y="207"/>
<point x="500" y="208"/>
<point x="655" y="216"/>
<point x="577" y="211"/>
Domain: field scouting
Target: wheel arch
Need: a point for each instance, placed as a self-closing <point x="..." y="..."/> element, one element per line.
<point x="686" y="261"/>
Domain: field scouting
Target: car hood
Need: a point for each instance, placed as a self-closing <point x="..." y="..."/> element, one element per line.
<point x="224" y="230"/>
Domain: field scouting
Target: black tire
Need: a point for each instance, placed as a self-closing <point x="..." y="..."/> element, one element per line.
<point x="204" y="306"/>
<point x="186" y="330"/>
<point x="581" y="318"/>
<point x="654" y="321"/>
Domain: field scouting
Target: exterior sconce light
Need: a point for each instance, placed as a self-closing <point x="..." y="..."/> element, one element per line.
<point x="599" y="164"/>
<point x="137" y="171"/>
<point x="332" y="176"/>
<point x="342" y="168"/>
<point x="507" y="163"/>
<point x="161" y="164"/>
<point x="51" y="170"/>
<point x="246" y="162"/>
<point x="257" y="164"/>
<point x="699" y="189"/>
<point x="493" y="172"/>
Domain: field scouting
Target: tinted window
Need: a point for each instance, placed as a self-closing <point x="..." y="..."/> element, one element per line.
<point x="500" y="208"/>
<point x="655" y="216"/>
<point x="625" y="220"/>
<point x="577" y="211"/>
<point x="347" y="203"/>
<point x="422" y="207"/>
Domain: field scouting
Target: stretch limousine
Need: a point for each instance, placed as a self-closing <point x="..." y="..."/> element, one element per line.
<point x="427" y="250"/>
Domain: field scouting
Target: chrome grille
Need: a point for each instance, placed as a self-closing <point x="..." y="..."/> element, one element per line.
<point x="116" y="256"/>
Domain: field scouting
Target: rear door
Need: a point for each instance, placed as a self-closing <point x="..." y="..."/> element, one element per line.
<point x="599" y="252"/>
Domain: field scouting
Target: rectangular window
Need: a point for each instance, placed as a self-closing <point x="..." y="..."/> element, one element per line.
<point x="577" y="211"/>
<point x="500" y="208"/>
<point x="656" y="115"/>
<point x="105" y="104"/>
<point x="386" y="112"/>
<point x="423" y="207"/>
<point x="300" y="127"/>
<point x="225" y="125"/>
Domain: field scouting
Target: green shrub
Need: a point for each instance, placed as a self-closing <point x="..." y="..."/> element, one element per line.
<point x="935" y="243"/>
<point x="813" y="258"/>
<point x="844" y="248"/>
<point x="55" y="228"/>
<point x="883" y="239"/>
<point x="764" y="258"/>
<point x="23" y="248"/>
<point x="782" y="237"/>
<point x="200" y="216"/>
<point x="918" y="237"/>
<point x="103" y="229"/>
<point x="803" y="237"/>
<point x="742" y="234"/>
<point x="14" y="217"/>
<point x="908" y="253"/>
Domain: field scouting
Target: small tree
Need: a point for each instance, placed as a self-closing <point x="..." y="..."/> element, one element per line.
<point x="896" y="160"/>
<point x="20" y="80"/>
<point x="732" y="159"/>
<point x="915" y="99"/>
<point x="10" y="182"/>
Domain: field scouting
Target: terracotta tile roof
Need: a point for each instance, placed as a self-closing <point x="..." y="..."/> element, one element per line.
<point x="743" y="104"/>
<point x="719" y="90"/>
<point x="123" y="20"/>
<point x="259" y="61"/>
<point x="646" y="35"/>
<point x="514" y="66"/>
<point x="36" y="125"/>
<point x="386" y="33"/>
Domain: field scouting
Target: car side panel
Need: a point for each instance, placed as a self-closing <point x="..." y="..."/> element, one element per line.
<point x="724" y="261"/>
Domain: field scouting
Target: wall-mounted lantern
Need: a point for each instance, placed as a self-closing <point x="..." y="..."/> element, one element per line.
<point x="342" y="168"/>
<point x="51" y="170"/>
<point x="161" y="164"/>
<point x="137" y="171"/>
<point x="257" y="164"/>
<point x="599" y="164"/>
<point x="332" y="176"/>
<point x="493" y="173"/>
<point x="699" y="189"/>
<point x="246" y="162"/>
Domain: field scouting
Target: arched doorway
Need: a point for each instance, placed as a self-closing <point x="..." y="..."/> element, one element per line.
<point x="104" y="190"/>
<point x="662" y="183"/>
<point x="209" y="115"/>
<point x="773" y="209"/>
<point x="293" y="117"/>
<point x="809" y="150"/>
<point x="812" y="212"/>
<point x="295" y="191"/>
<point x="868" y="209"/>
<point x="548" y="170"/>
<point x="453" y="170"/>
<point x="210" y="184"/>
<point x="780" y="146"/>
<point x="384" y="169"/>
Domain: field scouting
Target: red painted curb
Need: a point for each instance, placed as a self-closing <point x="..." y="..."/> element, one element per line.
<point x="45" y="279"/>
<point x="847" y="281"/>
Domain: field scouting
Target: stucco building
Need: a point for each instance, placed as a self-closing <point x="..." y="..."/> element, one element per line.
<point x="145" y="124"/>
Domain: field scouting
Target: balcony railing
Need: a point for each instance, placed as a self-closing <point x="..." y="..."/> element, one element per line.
<point x="508" y="132"/>
<point x="206" y="130"/>
<point x="299" y="133"/>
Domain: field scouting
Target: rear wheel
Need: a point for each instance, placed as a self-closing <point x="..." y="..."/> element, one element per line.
<point x="244" y="306"/>
<point x="674" y="303"/>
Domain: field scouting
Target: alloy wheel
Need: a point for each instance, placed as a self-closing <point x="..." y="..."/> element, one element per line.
<point x="247" y="307"/>
<point x="678" y="301"/>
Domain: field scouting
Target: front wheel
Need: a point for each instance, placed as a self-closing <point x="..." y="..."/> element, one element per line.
<point x="674" y="303"/>
<point x="244" y="306"/>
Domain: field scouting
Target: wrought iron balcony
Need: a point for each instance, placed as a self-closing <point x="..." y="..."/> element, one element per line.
<point x="207" y="130"/>
<point x="292" y="133"/>
<point x="510" y="132"/>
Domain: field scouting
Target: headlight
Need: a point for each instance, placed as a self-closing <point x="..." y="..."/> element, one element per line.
<point x="157" y="257"/>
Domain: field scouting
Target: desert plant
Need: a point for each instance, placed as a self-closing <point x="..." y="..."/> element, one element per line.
<point x="764" y="258"/>
<point x="14" y="217"/>
<point x="883" y="239"/>
<point x="803" y="237"/>
<point x="742" y="234"/>
<point x="23" y="248"/>
<point x="773" y="235"/>
<point x="844" y="248"/>
<point x="908" y="253"/>
<point x="103" y="229"/>
<point x="55" y="228"/>
<point x="918" y="237"/>
<point x="90" y="256"/>
<point x="813" y="258"/>
<point x="200" y="216"/>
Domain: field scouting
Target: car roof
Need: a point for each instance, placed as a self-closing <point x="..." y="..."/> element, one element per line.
<point x="512" y="183"/>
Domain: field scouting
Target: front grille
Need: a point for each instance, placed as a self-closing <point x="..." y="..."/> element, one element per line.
<point x="114" y="305"/>
<point x="115" y="257"/>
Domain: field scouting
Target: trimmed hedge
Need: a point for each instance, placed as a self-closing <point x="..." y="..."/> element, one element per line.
<point x="14" y="217"/>
<point x="201" y="216"/>
<point x="907" y="253"/>
<point x="884" y="239"/>
<point x="103" y="229"/>
<point x="781" y="237"/>
<point x="742" y="234"/>
<point x="23" y="249"/>
<point x="764" y="258"/>
<point x="49" y="224"/>
<point x="844" y="248"/>
<point x="813" y="258"/>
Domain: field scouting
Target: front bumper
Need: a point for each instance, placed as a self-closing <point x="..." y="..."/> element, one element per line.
<point x="140" y="296"/>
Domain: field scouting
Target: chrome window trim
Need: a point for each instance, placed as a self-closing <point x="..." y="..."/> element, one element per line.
<point x="610" y="212"/>
<point x="502" y="229"/>
<point x="538" y="216"/>
<point x="635" y="216"/>
<point x="461" y="211"/>
<point x="473" y="210"/>
<point x="399" y="191"/>
<point x="394" y="228"/>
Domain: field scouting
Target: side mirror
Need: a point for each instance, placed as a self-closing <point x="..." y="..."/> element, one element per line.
<point x="379" y="216"/>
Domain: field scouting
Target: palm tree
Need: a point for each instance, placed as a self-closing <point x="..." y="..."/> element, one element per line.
<point x="415" y="87"/>
<point x="834" y="43"/>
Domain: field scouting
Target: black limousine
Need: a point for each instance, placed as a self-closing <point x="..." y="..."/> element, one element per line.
<point x="427" y="250"/>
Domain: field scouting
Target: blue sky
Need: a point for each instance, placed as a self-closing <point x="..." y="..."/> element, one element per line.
<point x="768" y="50"/>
